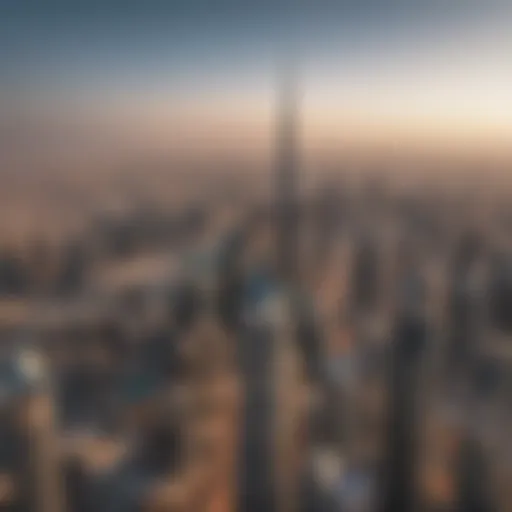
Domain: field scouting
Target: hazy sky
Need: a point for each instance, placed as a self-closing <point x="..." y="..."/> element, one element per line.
<point x="367" y="68"/>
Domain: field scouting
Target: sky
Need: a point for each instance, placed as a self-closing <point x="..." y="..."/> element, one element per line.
<point x="179" y="73"/>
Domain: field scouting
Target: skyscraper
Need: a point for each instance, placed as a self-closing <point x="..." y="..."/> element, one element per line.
<point x="28" y="462"/>
<point x="472" y="476"/>
<point x="286" y="174"/>
<point x="398" y="494"/>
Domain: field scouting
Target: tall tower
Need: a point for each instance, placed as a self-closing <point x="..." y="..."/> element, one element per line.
<point x="286" y="173"/>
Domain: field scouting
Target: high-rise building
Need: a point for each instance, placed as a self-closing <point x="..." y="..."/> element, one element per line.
<point x="286" y="176"/>
<point x="276" y="332"/>
<point x="501" y="292"/>
<point x="473" y="493"/>
<point x="401" y="463"/>
<point x="365" y="284"/>
<point x="28" y="444"/>
<point x="274" y="426"/>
